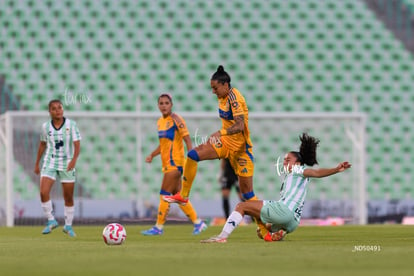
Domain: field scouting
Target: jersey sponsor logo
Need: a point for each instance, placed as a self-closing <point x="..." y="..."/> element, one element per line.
<point x="298" y="210"/>
<point x="169" y="133"/>
<point x="227" y="115"/>
<point x="58" y="144"/>
<point x="216" y="142"/>
<point x="242" y="161"/>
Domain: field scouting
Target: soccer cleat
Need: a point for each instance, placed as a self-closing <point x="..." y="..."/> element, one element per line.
<point x="67" y="229"/>
<point x="261" y="229"/>
<point x="215" y="239"/>
<point x="177" y="198"/>
<point x="154" y="231"/>
<point x="198" y="228"/>
<point x="259" y="233"/>
<point x="51" y="224"/>
<point x="275" y="236"/>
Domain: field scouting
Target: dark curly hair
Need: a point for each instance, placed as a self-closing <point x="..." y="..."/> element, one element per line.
<point x="307" y="152"/>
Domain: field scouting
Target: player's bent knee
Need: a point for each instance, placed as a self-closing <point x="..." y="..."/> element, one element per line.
<point x="193" y="155"/>
<point x="239" y="207"/>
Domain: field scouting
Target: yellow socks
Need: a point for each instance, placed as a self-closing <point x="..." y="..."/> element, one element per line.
<point x="163" y="209"/>
<point x="189" y="211"/>
<point x="190" y="171"/>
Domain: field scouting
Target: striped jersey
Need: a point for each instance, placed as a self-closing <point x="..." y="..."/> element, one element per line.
<point x="293" y="191"/>
<point x="59" y="144"/>
<point x="171" y="131"/>
<point x="233" y="105"/>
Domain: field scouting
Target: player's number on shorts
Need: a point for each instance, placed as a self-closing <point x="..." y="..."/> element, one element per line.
<point x="58" y="144"/>
<point x="299" y="210"/>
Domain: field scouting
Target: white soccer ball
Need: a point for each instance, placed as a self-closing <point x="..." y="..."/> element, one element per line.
<point x="114" y="234"/>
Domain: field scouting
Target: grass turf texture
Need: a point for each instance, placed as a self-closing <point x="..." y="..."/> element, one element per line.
<point x="307" y="251"/>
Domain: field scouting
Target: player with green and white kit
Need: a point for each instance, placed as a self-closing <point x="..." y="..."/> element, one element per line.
<point x="283" y="216"/>
<point x="60" y="144"/>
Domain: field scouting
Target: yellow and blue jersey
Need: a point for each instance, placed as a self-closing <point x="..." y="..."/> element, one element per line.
<point x="231" y="106"/>
<point x="171" y="131"/>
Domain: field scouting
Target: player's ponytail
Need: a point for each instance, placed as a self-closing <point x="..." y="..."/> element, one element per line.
<point x="307" y="152"/>
<point x="221" y="76"/>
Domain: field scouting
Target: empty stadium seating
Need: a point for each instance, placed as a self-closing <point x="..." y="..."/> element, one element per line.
<point x="283" y="55"/>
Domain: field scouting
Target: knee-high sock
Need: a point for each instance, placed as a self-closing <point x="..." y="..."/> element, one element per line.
<point x="190" y="171"/>
<point x="190" y="212"/>
<point x="69" y="212"/>
<point x="163" y="209"/>
<point x="232" y="222"/>
<point x="48" y="209"/>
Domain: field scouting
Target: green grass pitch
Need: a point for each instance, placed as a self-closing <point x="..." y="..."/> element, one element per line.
<point x="340" y="250"/>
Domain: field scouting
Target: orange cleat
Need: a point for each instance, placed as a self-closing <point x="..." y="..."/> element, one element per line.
<point x="177" y="198"/>
<point x="275" y="236"/>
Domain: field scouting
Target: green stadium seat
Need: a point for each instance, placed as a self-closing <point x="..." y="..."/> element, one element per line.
<point x="309" y="57"/>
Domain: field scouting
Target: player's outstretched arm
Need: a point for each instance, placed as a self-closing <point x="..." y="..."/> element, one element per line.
<point x="322" y="172"/>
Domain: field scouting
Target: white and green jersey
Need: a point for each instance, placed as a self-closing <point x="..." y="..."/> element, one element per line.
<point x="59" y="144"/>
<point x="293" y="191"/>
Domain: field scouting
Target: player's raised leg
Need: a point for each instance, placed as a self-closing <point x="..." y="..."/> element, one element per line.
<point x="200" y="153"/>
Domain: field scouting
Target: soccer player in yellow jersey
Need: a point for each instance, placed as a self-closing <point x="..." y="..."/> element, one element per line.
<point x="172" y="131"/>
<point x="232" y="141"/>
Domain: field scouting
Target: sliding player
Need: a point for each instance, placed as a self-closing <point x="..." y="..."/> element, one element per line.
<point x="283" y="216"/>
<point x="172" y="131"/>
<point x="60" y="138"/>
